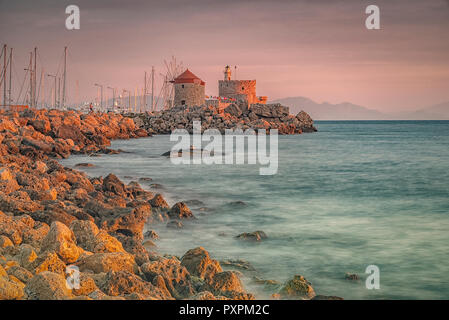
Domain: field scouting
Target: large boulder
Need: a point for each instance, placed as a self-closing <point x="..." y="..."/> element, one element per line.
<point x="175" y="276"/>
<point x="48" y="286"/>
<point x="113" y="184"/>
<point x="61" y="240"/>
<point x="269" y="110"/>
<point x="226" y="281"/>
<point x="105" y="262"/>
<point x="90" y="238"/>
<point x="87" y="285"/>
<point x="228" y="284"/>
<point x="41" y="125"/>
<point x="47" y="261"/>
<point x="121" y="283"/>
<point x="20" y="273"/>
<point x="234" y="110"/>
<point x="198" y="262"/>
<point x="127" y="220"/>
<point x="10" y="289"/>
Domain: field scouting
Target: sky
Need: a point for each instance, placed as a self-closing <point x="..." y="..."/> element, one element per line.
<point x="316" y="49"/>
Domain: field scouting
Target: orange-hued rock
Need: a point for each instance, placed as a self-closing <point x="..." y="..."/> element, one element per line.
<point x="10" y="289"/>
<point x="48" y="286"/>
<point x="297" y="288"/>
<point x="53" y="216"/>
<point x="226" y="281"/>
<point x="61" y="240"/>
<point x="87" y="285"/>
<point x="90" y="238"/>
<point x="198" y="263"/>
<point x="158" y="201"/>
<point x="105" y="262"/>
<point x="180" y="211"/>
<point x="176" y="278"/>
<point x="47" y="261"/>
<point x="117" y="283"/>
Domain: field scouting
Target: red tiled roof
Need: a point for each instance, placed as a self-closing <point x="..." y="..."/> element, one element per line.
<point x="188" y="77"/>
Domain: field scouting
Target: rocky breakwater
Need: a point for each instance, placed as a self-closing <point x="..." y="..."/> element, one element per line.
<point x="257" y="117"/>
<point x="52" y="217"/>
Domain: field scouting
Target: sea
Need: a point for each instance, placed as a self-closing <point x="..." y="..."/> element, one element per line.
<point x="352" y="195"/>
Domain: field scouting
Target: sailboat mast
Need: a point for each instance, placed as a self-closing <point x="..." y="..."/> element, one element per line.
<point x="4" y="75"/>
<point x="145" y="93"/>
<point x="34" y="78"/>
<point x="31" y="79"/>
<point x="152" y="89"/>
<point x="10" y="75"/>
<point x="65" y="76"/>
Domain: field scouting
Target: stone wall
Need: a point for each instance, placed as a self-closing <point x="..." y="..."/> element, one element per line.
<point x="238" y="89"/>
<point x="190" y="94"/>
<point x="220" y="105"/>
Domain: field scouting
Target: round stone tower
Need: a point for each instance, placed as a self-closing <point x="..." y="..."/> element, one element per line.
<point x="189" y="90"/>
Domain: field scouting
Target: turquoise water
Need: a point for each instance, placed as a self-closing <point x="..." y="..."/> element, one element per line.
<point x="351" y="195"/>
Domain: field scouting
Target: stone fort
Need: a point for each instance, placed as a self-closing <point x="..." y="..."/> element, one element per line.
<point x="240" y="90"/>
<point x="190" y="91"/>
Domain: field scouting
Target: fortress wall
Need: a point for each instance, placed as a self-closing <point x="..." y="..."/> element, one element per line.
<point x="238" y="89"/>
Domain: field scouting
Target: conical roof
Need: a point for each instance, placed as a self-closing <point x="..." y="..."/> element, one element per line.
<point x="188" y="77"/>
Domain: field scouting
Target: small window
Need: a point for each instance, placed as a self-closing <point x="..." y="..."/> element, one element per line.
<point x="243" y="88"/>
<point x="183" y="86"/>
<point x="183" y="102"/>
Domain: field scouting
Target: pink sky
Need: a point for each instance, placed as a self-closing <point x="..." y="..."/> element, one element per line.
<point x="316" y="49"/>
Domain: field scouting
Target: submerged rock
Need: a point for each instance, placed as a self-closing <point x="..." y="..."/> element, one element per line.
<point x="240" y="264"/>
<point x="352" y="276"/>
<point x="84" y="165"/>
<point x="321" y="297"/>
<point x="297" y="288"/>
<point x="175" y="224"/>
<point x="194" y="203"/>
<point x="252" y="236"/>
<point x="151" y="234"/>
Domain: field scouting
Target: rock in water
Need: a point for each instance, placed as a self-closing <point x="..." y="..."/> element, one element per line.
<point x="198" y="263"/>
<point x="159" y="202"/>
<point x="252" y="236"/>
<point x="180" y="211"/>
<point x="297" y="288"/>
<point x="352" y="276"/>
<point x="175" y="224"/>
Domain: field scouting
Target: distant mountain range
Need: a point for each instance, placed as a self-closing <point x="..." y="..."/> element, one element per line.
<point x="350" y="111"/>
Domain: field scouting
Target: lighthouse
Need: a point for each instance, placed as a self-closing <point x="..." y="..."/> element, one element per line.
<point x="227" y="73"/>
